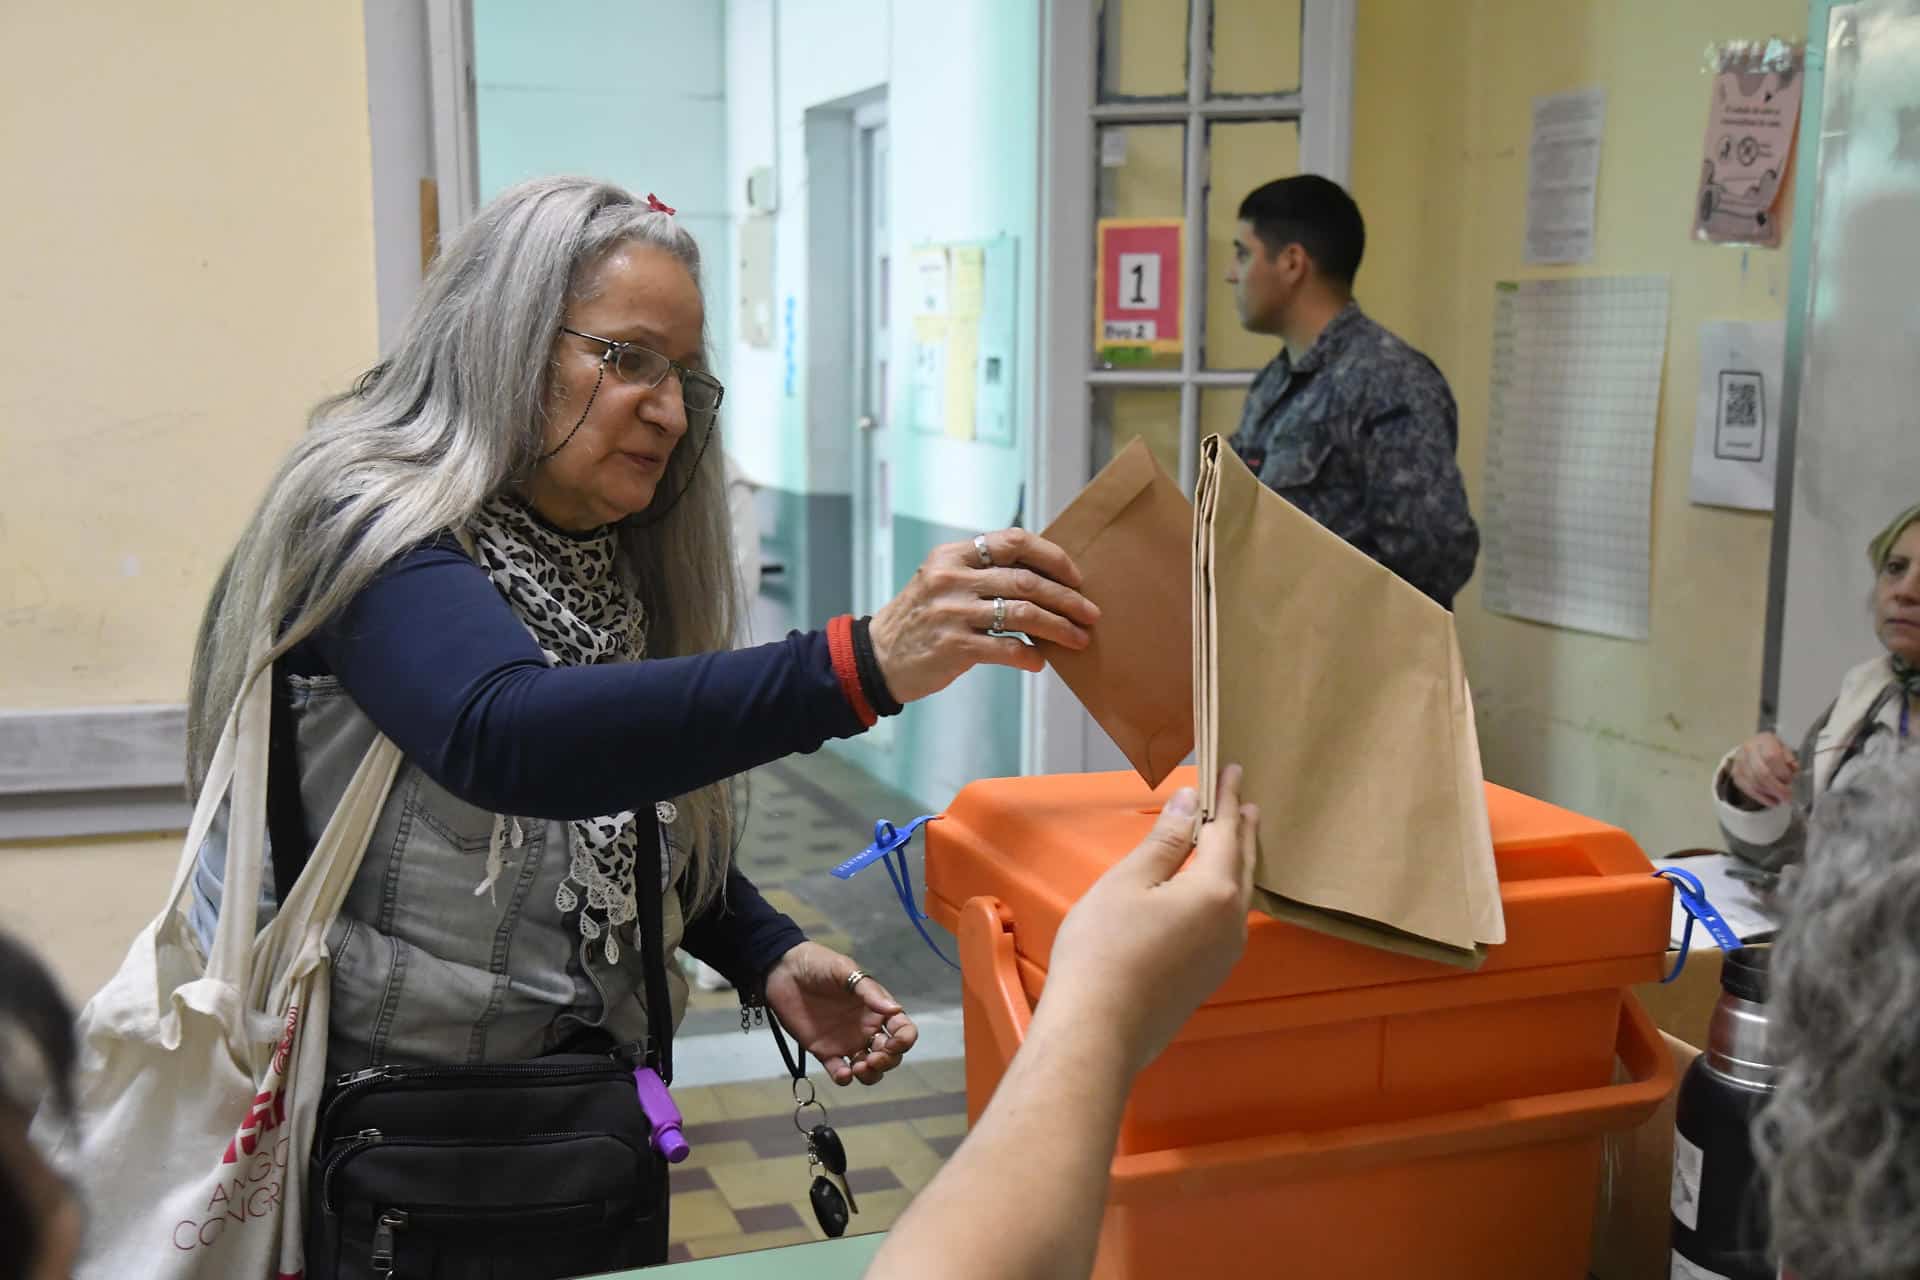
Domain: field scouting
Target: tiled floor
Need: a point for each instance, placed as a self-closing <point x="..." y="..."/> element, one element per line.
<point x="745" y="1184"/>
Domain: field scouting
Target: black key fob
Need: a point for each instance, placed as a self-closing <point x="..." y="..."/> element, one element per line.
<point x="828" y="1147"/>
<point x="829" y="1207"/>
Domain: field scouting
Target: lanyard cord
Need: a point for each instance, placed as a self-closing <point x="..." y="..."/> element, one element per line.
<point x="794" y="1068"/>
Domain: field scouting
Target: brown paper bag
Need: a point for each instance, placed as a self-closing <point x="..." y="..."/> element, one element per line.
<point x="1128" y="532"/>
<point x="1339" y="689"/>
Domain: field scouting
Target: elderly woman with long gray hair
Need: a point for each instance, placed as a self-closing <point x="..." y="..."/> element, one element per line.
<point x="506" y="548"/>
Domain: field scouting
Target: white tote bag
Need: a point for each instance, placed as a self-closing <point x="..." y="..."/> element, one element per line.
<point x="200" y="1079"/>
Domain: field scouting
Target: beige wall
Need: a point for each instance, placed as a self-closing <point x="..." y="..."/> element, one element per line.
<point x="189" y="265"/>
<point x="1625" y="731"/>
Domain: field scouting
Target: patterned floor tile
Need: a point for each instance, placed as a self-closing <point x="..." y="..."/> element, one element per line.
<point x="751" y="1098"/>
<point x="883" y="1144"/>
<point x="945" y="1147"/>
<point x="697" y="1105"/>
<point x="764" y="1181"/>
<point x="949" y="1075"/>
<point x="768" y="1217"/>
<point x="707" y="1154"/>
<point x="940" y="1126"/>
<point x="699" y="1214"/>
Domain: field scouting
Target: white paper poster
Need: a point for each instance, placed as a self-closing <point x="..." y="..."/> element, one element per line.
<point x="930" y="277"/>
<point x="1736" y="426"/>
<point x="1563" y="175"/>
<point x="1569" y="483"/>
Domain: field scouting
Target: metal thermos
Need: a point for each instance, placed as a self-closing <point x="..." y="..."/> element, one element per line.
<point x="1719" y="1203"/>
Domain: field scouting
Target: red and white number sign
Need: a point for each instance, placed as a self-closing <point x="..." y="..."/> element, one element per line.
<point x="1140" y="282"/>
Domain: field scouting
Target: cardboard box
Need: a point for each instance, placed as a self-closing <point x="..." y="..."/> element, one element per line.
<point x="1632" y="1223"/>
<point x="1683" y="1008"/>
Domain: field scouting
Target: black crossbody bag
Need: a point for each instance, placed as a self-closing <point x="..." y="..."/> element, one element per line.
<point x="511" y="1171"/>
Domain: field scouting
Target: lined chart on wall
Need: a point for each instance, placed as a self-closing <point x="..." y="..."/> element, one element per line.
<point x="1569" y="480"/>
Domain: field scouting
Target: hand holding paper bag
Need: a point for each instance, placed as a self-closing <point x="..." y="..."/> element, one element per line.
<point x="1239" y="624"/>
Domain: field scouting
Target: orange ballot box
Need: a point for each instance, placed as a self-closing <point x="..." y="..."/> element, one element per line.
<point x="1337" y="1110"/>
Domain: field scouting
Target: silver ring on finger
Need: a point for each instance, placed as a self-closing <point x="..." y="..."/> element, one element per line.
<point x="981" y="552"/>
<point x="999" y="615"/>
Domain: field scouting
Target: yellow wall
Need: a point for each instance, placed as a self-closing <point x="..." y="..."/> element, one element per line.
<point x="1625" y="731"/>
<point x="189" y="265"/>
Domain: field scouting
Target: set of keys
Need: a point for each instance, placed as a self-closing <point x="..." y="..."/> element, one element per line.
<point x="830" y="1194"/>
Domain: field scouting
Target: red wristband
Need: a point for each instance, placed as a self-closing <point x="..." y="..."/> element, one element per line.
<point x="846" y="669"/>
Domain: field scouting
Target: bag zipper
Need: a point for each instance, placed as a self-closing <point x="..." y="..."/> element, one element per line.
<point x="390" y="1221"/>
<point x="354" y="1083"/>
<point x="345" y="1148"/>
<point x="339" y="1149"/>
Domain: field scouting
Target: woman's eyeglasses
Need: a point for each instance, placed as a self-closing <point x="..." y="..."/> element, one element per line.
<point x="645" y="367"/>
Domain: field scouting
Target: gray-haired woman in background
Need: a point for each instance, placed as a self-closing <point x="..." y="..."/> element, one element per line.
<point x="507" y="549"/>
<point x="1840" y="1139"/>
<point x="1763" y="790"/>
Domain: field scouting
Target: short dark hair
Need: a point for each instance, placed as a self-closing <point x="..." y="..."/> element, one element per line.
<point x="1315" y="213"/>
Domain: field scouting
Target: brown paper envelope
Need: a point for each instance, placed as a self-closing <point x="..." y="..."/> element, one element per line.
<point x="1337" y="694"/>
<point x="1476" y="832"/>
<point x="1128" y="531"/>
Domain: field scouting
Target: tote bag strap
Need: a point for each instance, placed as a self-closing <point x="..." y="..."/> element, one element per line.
<point x="227" y="959"/>
<point x="213" y="792"/>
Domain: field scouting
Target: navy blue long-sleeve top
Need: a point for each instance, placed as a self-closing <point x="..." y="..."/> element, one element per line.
<point x="439" y="662"/>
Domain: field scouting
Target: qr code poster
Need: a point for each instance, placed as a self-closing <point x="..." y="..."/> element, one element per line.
<point x="1741" y="432"/>
<point x="1737" y="427"/>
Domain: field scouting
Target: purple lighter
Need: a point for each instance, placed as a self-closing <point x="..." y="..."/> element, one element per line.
<point x="661" y="1114"/>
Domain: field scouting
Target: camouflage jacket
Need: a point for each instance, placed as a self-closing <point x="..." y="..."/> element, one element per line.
<point x="1359" y="433"/>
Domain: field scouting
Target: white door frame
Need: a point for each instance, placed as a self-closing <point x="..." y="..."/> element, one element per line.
<point x="456" y="158"/>
<point x="1057" y="728"/>
<point x="872" y="504"/>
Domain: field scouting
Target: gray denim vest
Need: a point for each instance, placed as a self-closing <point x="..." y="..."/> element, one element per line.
<point x="424" y="969"/>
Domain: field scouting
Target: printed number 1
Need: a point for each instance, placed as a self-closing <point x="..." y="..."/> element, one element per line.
<point x="1139" y="282"/>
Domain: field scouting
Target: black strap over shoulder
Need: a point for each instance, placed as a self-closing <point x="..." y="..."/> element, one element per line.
<point x="653" y="932"/>
<point x="287" y="845"/>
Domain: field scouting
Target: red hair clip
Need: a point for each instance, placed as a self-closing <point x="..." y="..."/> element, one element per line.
<point x="655" y="205"/>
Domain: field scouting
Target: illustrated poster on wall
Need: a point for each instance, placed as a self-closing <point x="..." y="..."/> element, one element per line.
<point x="1140" y="268"/>
<point x="1736" y="428"/>
<point x="1751" y="122"/>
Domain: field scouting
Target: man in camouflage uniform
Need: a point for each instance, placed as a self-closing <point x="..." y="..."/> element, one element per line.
<point x="1348" y="423"/>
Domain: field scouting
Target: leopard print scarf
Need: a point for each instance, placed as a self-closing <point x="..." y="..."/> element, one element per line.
<point x="566" y="591"/>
